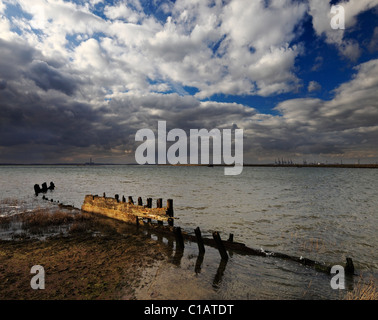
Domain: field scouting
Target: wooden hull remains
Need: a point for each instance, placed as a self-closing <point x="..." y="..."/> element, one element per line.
<point x="128" y="211"/>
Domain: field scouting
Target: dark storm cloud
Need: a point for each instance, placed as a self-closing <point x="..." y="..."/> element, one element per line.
<point x="19" y="60"/>
<point x="56" y="124"/>
<point x="27" y="118"/>
<point x="14" y="57"/>
<point x="46" y="77"/>
<point x="31" y="116"/>
<point x="3" y="84"/>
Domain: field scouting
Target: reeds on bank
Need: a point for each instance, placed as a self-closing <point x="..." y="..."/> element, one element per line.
<point x="363" y="290"/>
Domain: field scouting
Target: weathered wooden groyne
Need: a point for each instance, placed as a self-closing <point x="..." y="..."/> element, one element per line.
<point x="135" y="214"/>
<point x="140" y="214"/>
<point x="127" y="211"/>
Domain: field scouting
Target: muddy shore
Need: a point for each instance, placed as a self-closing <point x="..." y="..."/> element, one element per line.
<point x="96" y="259"/>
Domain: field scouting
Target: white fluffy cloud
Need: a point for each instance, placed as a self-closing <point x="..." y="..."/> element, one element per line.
<point x="313" y="86"/>
<point x="216" y="48"/>
<point x="130" y="13"/>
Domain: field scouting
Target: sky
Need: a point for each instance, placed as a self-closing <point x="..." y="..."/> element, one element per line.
<point x="79" y="78"/>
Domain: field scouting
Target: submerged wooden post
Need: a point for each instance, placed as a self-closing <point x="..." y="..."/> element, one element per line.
<point x="199" y="261"/>
<point x="219" y="275"/>
<point x="123" y="199"/>
<point x="231" y="238"/>
<point x="220" y="246"/>
<point x="179" y="238"/>
<point x="116" y="197"/>
<point x="131" y="201"/>
<point x="201" y="246"/>
<point x="140" y="201"/>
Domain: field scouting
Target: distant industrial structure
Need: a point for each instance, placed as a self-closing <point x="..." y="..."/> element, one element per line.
<point x="90" y="163"/>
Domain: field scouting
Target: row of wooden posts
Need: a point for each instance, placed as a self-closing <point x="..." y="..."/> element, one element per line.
<point x="159" y="205"/>
<point x="201" y="246"/>
<point x="44" y="189"/>
<point x="243" y="249"/>
<point x="159" y="202"/>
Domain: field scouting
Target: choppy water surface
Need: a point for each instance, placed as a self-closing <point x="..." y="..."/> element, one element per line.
<point x="325" y="214"/>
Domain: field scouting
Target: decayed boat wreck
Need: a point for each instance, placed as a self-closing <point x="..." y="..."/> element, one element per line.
<point x="127" y="211"/>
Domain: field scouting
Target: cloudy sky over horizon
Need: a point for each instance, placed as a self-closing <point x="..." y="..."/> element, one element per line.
<point x="78" y="78"/>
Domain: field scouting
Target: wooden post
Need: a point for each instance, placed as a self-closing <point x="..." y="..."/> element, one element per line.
<point x="117" y="197"/>
<point x="179" y="238"/>
<point x="201" y="246"/>
<point x="219" y="275"/>
<point x="170" y="207"/>
<point x="349" y="268"/>
<point x="140" y="201"/>
<point x="149" y="202"/>
<point x="131" y="201"/>
<point x="104" y="195"/>
<point x="123" y="199"/>
<point x="199" y="261"/>
<point x="231" y="238"/>
<point x="44" y="187"/>
<point x="170" y="212"/>
<point x="220" y="246"/>
<point x="159" y="204"/>
<point x="37" y="189"/>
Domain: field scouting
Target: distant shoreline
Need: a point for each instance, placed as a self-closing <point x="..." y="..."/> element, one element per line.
<point x="358" y="166"/>
<point x="322" y="165"/>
